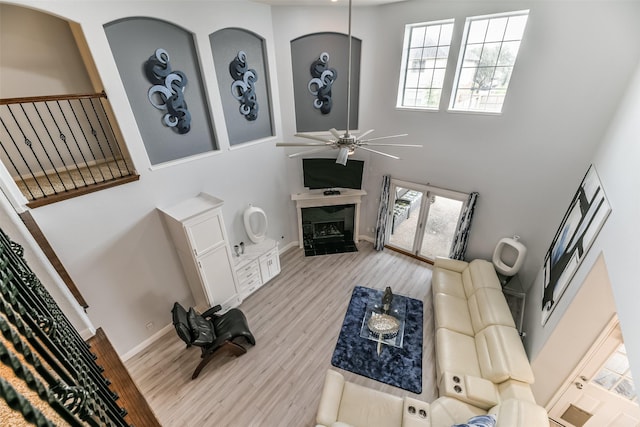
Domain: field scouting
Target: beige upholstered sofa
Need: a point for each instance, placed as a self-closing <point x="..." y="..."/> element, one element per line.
<point x="480" y="358"/>
<point x="345" y="404"/>
<point x="481" y="365"/>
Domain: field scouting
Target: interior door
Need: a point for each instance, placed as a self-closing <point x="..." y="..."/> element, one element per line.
<point x="602" y="393"/>
<point x="422" y="219"/>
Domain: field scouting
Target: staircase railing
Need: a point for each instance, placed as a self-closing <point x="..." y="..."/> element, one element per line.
<point x="56" y="147"/>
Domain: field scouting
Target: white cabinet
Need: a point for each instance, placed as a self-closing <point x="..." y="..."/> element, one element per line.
<point x="199" y="235"/>
<point x="259" y="264"/>
<point x="269" y="265"/>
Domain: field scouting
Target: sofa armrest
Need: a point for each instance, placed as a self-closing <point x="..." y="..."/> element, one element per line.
<point x="415" y="413"/>
<point x="330" y="399"/>
<point x="474" y="390"/>
<point x="450" y="264"/>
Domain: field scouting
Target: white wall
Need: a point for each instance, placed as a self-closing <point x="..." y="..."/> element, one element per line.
<point x="525" y="163"/>
<point x="616" y="161"/>
<point x="549" y="369"/>
<point x="113" y="242"/>
<point x="50" y="67"/>
<point x="37" y="261"/>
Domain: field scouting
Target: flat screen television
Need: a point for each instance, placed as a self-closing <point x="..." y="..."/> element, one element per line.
<point x="326" y="173"/>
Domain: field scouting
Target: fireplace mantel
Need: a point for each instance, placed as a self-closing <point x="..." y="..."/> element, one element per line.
<point x="311" y="200"/>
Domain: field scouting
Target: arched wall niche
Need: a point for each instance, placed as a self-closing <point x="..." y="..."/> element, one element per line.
<point x="305" y="51"/>
<point x="174" y="47"/>
<point x="245" y="94"/>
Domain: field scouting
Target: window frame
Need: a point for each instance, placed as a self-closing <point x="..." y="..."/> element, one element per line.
<point x="406" y="47"/>
<point x="461" y="56"/>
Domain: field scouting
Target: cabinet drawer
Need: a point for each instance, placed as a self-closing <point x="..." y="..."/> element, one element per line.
<point x="250" y="285"/>
<point x="247" y="273"/>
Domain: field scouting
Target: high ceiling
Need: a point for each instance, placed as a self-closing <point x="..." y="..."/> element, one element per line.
<point x="324" y="2"/>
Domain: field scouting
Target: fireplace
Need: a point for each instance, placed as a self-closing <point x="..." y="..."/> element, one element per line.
<point x="328" y="229"/>
<point x="343" y="206"/>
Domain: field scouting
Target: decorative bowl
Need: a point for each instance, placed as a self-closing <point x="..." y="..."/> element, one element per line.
<point x="383" y="324"/>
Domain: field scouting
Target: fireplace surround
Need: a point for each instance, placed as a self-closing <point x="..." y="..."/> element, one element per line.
<point x="328" y="222"/>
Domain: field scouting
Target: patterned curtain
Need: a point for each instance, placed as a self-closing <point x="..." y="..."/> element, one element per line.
<point x="383" y="211"/>
<point x="459" y="246"/>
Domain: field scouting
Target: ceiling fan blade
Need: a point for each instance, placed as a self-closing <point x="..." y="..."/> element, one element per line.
<point x="317" y="150"/>
<point x="384" y="137"/>
<point x="392" y="145"/>
<point x="301" y="144"/>
<point x="335" y="133"/>
<point x="359" y="137"/>
<point x="380" y="152"/>
<point x="317" y="138"/>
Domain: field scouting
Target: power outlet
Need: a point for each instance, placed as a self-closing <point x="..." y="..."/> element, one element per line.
<point x="149" y="325"/>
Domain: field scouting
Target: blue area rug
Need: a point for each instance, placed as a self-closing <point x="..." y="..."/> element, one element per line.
<point x="399" y="367"/>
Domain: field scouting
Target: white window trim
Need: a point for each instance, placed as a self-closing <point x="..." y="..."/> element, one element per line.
<point x="403" y="64"/>
<point x="462" y="50"/>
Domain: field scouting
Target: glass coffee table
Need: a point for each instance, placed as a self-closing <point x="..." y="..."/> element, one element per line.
<point x="398" y="311"/>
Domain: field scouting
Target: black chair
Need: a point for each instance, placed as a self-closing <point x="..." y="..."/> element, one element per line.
<point x="211" y="332"/>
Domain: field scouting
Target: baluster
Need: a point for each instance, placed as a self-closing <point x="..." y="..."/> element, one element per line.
<point x="75" y="380"/>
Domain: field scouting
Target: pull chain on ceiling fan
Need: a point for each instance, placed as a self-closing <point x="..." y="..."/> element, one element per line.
<point x="346" y="143"/>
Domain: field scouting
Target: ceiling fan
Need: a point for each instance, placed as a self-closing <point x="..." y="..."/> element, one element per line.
<point x="346" y="143"/>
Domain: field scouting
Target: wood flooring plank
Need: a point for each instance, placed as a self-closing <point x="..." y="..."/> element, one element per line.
<point x="296" y="319"/>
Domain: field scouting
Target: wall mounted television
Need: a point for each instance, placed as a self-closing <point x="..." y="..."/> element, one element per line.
<point x="326" y="173"/>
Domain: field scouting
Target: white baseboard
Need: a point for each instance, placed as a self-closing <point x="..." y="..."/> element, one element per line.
<point x="367" y="238"/>
<point x="87" y="333"/>
<point x="289" y="246"/>
<point x="146" y="343"/>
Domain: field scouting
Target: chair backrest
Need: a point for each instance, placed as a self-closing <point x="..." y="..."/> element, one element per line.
<point x="191" y="327"/>
<point x="181" y="323"/>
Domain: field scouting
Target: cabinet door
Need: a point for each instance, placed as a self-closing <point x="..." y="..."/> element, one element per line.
<point x="205" y="233"/>
<point x="269" y="265"/>
<point x="217" y="277"/>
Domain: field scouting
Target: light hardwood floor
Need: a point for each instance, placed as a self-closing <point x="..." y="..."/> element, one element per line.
<point x="296" y="319"/>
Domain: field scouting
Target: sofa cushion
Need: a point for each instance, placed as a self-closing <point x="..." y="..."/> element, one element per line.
<point x="447" y="411"/>
<point x="364" y="407"/>
<point x="513" y="389"/>
<point x="452" y="313"/>
<point x="487" y="306"/>
<point x="447" y="282"/>
<point x="501" y="355"/>
<point x="481" y="274"/>
<point x="456" y="352"/>
<point x="513" y="412"/>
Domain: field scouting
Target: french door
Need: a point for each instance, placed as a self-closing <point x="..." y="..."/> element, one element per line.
<point x="423" y="219"/>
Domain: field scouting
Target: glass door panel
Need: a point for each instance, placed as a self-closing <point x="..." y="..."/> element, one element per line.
<point x="404" y="220"/>
<point x="423" y="219"/>
<point x="442" y="218"/>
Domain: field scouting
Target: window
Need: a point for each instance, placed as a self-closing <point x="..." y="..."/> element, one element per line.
<point x="615" y="376"/>
<point x="424" y="63"/>
<point x="488" y="54"/>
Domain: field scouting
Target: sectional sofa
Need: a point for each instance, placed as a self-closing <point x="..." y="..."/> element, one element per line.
<point x="481" y="364"/>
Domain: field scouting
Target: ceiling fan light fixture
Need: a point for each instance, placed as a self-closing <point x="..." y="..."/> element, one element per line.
<point x="343" y="155"/>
